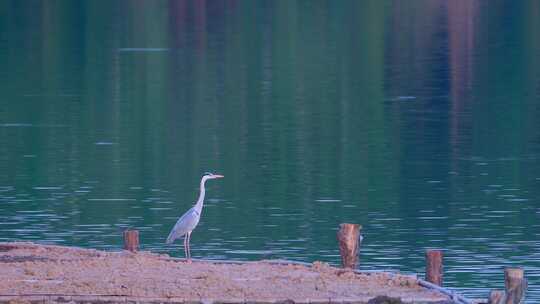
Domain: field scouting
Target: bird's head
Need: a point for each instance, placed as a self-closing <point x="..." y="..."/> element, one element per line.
<point x="210" y="175"/>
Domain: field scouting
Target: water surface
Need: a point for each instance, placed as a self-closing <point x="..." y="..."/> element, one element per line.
<point x="419" y="120"/>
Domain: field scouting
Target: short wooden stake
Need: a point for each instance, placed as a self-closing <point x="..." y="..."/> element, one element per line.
<point x="349" y="244"/>
<point x="131" y="240"/>
<point x="434" y="267"/>
<point x="496" y="297"/>
<point x="514" y="284"/>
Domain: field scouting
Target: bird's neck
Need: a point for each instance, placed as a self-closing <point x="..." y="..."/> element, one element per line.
<point x="200" y="201"/>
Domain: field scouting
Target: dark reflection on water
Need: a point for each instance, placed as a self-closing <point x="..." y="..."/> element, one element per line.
<point x="417" y="119"/>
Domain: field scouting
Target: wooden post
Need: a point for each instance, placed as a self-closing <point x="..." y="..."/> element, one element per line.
<point x="131" y="240"/>
<point x="349" y="238"/>
<point x="496" y="297"/>
<point x="434" y="267"/>
<point x="514" y="284"/>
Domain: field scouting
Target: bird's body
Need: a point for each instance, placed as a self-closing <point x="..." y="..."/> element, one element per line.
<point x="187" y="222"/>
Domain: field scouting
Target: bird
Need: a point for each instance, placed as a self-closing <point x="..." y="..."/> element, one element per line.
<point x="187" y="222"/>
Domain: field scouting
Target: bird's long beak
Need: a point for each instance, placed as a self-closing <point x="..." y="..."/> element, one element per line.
<point x="218" y="176"/>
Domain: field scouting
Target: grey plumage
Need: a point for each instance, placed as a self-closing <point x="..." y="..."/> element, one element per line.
<point x="187" y="222"/>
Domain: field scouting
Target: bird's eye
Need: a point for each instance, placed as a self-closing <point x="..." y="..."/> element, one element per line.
<point x="208" y="173"/>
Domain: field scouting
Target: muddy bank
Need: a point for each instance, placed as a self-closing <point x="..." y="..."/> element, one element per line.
<point x="41" y="273"/>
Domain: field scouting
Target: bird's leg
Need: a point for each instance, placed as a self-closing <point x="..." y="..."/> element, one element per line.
<point x="188" y="248"/>
<point x="185" y="246"/>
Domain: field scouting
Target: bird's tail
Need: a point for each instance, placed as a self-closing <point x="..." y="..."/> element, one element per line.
<point x="170" y="238"/>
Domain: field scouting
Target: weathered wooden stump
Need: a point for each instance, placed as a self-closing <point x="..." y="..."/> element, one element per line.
<point x="131" y="240"/>
<point x="514" y="284"/>
<point x="434" y="267"/>
<point x="349" y="244"/>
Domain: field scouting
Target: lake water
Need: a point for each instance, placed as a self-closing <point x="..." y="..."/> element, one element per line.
<point x="419" y="120"/>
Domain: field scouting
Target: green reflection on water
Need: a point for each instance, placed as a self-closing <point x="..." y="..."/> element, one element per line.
<point x="418" y="120"/>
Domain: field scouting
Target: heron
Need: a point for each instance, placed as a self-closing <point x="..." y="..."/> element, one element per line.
<point x="187" y="222"/>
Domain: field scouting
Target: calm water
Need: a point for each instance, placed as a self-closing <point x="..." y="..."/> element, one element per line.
<point x="419" y="120"/>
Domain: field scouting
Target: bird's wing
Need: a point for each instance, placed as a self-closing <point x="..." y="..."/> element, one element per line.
<point x="185" y="223"/>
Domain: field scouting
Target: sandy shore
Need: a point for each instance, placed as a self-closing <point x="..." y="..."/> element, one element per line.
<point x="31" y="271"/>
